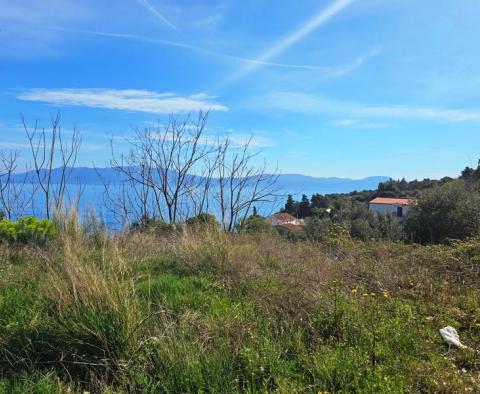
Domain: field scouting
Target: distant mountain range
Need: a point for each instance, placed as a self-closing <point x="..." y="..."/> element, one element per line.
<point x="299" y="184"/>
<point x="295" y="184"/>
<point x="78" y="175"/>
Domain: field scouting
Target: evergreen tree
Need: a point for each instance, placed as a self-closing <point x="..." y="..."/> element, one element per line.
<point x="304" y="209"/>
<point x="471" y="174"/>
<point x="290" y="205"/>
<point x="318" y="201"/>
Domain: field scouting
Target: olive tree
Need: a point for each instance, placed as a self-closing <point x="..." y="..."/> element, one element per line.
<point x="451" y="211"/>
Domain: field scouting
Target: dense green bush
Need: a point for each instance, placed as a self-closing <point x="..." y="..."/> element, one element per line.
<point x="336" y="234"/>
<point x="203" y="219"/>
<point x="363" y="229"/>
<point x="152" y="225"/>
<point x="388" y="228"/>
<point x="254" y="225"/>
<point x="28" y="229"/>
<point x="359" y="224"/>
<point x="316" y="228"/>
<point x="451" y="211"/>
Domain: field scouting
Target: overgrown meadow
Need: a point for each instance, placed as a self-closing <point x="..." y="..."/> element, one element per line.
<point x="195" y="310"/>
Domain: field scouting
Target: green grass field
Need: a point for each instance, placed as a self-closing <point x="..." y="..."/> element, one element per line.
<point x="206" y="312"/>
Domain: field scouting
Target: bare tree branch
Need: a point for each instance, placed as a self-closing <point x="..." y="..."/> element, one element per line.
<point x="14" y="196"/>
<point x="49" y="149"/>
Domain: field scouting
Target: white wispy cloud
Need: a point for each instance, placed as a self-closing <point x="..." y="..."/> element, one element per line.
<point x="128" y="99"/>
<point x="355" y="123"/>
<point x="337" y="70"/>
<point x="291" y="133"/>
<point x="348" y="68"/>
<point x="305" y="103"/>
<point x="46" y="11"/>
<point x="296" y="154"/>
<point x="22" y="32"/>
<point x="154" y="11"/>
<point x="256" y="141"/>
<point x="343" y="122"/>
<point x="332" y="71"/>
<point x="294" y="37"/>
<point x="238" y="138"/>
<point x="211" y="137"/>
<point x="9" y="145"/>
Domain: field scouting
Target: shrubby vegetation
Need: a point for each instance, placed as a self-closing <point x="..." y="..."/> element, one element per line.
<point x="470" y="174"/>
<point x="204" y="220"/>
<point x="27" y="230"/>
<point x="451" y="211"/>
<point x="255" y="224"/>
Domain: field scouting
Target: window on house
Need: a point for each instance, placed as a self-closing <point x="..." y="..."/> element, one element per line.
<point x="399" y="212"/>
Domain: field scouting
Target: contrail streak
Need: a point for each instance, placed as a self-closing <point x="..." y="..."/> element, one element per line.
<point x="155" y="12"/>
<point x="319" y="19"/>
<point x="252" y="62"/>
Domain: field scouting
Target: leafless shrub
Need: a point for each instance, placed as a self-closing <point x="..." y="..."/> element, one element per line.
<point x="14" y="196"/>
<point x="239" y="183"/>
<point x="49" y="149"/>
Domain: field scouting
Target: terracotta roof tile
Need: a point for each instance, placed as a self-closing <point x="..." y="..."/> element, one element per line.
<point x="284" y="216"/>
<point x="393" y="201"/>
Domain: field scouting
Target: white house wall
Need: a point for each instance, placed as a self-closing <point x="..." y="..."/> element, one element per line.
<point x="388" y="208"/>
<point x="276" y="222"/>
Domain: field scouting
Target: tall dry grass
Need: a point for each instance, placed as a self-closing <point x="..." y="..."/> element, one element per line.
<point x="92" y="310"/>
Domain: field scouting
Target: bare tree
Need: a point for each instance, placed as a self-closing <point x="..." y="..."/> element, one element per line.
<point x="173" y="172"/>
<point x="14" y="198"/>
<point x="130" y="198"/>
<point x="171" y="159"/>
<point x="118" y="201"/>
<point x="241" y="183"/>
<point x="49" y="149"/>
<point x="200" y="189"/>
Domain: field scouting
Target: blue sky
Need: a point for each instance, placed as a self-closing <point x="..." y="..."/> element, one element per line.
<point x="347" y="88"/>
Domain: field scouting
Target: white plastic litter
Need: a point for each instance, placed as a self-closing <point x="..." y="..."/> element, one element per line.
<point x="451" y="337"/>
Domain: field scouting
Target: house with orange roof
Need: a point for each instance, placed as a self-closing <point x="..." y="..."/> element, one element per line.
<point x="280" y="218"/>
<point x="397" y="207"/>
<point x="286" y="223"/>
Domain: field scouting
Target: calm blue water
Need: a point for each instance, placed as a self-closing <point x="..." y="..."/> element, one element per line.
<point x="92" y="199"/>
